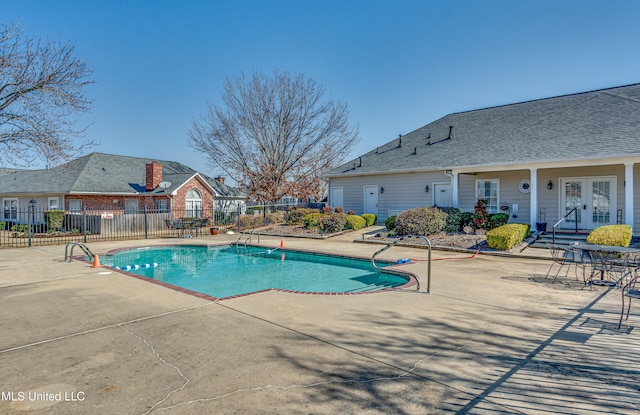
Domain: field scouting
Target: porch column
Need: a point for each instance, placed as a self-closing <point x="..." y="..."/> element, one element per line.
<point x="454" y="189"/>
<point x="533" y="198"/>
<point x="628" y="194"/>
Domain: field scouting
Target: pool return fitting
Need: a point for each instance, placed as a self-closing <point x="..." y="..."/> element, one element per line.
<point x="373" y="263"/>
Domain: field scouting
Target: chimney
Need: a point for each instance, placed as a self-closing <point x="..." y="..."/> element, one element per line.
<point x="219" y="179"/>
<point x="154" y="175"/>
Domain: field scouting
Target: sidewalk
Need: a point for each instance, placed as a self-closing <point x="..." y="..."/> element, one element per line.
<point x="494" y="336"/>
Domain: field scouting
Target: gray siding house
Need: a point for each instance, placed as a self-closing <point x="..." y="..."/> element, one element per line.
<point x="536" y="160"/>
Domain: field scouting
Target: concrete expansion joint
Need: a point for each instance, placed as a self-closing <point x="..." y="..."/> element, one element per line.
<point x="328" y="382"/>
<point x="164" y="362"/>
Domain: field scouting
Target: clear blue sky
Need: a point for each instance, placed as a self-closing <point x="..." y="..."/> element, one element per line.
<point x="397" y="64"/>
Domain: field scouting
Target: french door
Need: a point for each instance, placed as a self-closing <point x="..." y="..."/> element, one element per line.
<point x="594" y="201"/>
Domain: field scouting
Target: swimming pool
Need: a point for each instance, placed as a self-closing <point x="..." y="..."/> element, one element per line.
<point x="225" y="271"/>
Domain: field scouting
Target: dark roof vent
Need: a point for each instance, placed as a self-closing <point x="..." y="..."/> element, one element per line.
<point x="429" y="139"/>
<point x="450" y="129"/>
<point x="415" y="151"/>
<point x="359" y="161"/>
<point x="399" y="140"/>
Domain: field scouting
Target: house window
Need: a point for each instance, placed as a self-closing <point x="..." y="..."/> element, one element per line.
<point x="10" y="209"/>
<point x="162" y="205"/>
<point x="54" y="203"/>
<point x="489" y="191"/>
<point x="131" y="206"/>
<point x="75" y="206"/>
<point x="193" y="204"/>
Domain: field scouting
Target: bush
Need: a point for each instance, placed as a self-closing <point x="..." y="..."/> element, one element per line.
<point x="616" y="235"/>
<point x="339" y="210"/>
<point x="275" y="217"/>
<point x="466" y="219"/>
<point x="332" y="223"/>
<point x="390" y="223"/>
<point x="251" y="221"/>
<point x="507" y="236"/>
<point x="454" y="220"/>
<point x="498" y="219"/>
<point x="421" y="221"/>
<point x="312" y="219"/>
<point x="351" y="212"/>
<point x="355" y="222"/>
<point x="480" y="215"/>
<point x="326" y="209"/>
<point x="370" y="219"/>
<point x="2" y="225"/>
<point x="295" y="216"/>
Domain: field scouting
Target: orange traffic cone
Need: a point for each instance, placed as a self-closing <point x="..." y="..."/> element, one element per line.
<point x="96" y="262"/>
<point x="281" y="243"/>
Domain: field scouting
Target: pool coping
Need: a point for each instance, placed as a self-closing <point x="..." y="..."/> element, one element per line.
<point x="412" y="279"/>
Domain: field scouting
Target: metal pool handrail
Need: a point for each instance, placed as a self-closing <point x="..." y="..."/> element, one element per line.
<point x="82" y="246"/>
<point x="373" y="263"/>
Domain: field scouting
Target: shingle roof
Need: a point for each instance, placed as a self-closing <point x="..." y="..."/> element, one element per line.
<point x="103" y="173"/>
<point x="584" y="126"/>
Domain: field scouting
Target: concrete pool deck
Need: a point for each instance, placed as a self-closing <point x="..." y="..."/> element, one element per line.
<point x="493" y="336"/>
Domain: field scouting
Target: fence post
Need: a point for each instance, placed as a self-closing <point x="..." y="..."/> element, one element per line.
<point x="84" y="223"/>
<point x="30" y="222"/>
<point x="238" y="217"/>
<point x="146" y="223"/>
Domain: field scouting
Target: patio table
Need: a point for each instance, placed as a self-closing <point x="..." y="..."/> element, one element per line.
<point x="607" y="260"/>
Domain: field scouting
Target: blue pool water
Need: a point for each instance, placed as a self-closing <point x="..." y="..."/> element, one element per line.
<point x="223" y="271"/>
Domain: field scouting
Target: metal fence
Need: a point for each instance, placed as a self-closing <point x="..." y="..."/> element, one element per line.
<point x="32" y="226"/>
<point x="36" y="226"/>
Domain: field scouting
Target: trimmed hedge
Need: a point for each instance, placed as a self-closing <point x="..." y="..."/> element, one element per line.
<point x="616" y="235"/>
<point x="370" y="219"/>
<point x="454" y="220"/>
<point x="390" y="222"/>
<point x="421" y="221"/>
<point x="355" y="222"/>
<point x="311" y="220"/>
<point x="507" y="236"/>
<point x="332" y="223"/>
<point x="295" y="216"/>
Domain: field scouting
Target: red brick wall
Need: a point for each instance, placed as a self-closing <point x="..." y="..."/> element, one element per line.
<point x="179" y="200"/>
<point x="110" y="203"/>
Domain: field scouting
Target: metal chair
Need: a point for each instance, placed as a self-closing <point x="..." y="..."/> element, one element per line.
<point x="563" y="257"/>
<point x="611" y="267"/>
<point x="631" y="290"/>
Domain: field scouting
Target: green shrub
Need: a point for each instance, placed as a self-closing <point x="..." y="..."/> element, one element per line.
<point x="370" y="219"/>
<point x="421" y="221"/>
<point x="311" y="220"/>
<point x="466" y="219"/>
<point x="2" y="225"/>
<point x="295" y="216"/>
<point x="498" y="219"/>
<point x="54" y="219"/>
<point x="616" y="235"/>
<point x="507" y="236"/>
<point x="334" y="222"/>
<point x="355" y="222"/>
<point x="454" y="220"/>
<point x="390" y="222"/>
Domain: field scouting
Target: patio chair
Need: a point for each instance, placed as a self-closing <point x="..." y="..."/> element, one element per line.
<point x="631" y="290"/>
<point x="177" y="225"/>
<point x="608" y="268"/>
<point x="564" y="257"/>
<point x="580" y="259"/>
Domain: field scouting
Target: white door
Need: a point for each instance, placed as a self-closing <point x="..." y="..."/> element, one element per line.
<point x="371" y="200"/>
<point x="442" y="194"/>
<point x="593" y="199"/>
<point x="337" y="197"/>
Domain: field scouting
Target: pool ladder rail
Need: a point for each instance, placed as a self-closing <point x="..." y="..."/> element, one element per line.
<point x="246" y="241"/>
<point x="68" y="255"/>
<point x="373" y="262"/>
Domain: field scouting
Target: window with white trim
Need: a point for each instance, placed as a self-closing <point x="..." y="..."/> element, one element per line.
<point x="489" y="190"/>
<point x="10" y="208"/>
<point x="193" y="204"/>
<point x="131" y="206"/>
<point x="53" y="203"/>
<point x="75" y="206"/>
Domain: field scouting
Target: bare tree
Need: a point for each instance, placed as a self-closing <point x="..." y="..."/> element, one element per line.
<point x="41" y="87"/>
<point x="275" y="135"/>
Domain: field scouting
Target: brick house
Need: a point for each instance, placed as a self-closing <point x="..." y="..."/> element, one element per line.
<point x="113" y="184"/>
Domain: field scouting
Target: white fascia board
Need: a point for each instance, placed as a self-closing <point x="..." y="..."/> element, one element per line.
<point x="201" y="180"/>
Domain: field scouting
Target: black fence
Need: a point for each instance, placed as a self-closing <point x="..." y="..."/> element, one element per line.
<point x="36" y="226"/>
<point x="32" y="226"/>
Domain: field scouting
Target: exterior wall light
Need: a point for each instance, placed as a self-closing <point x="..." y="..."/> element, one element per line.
<point x="550" y="185"/>
<point x="426" y="189"/>
<point x="381" y="189"/>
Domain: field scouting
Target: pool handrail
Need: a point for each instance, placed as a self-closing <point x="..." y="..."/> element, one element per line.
<point x="69" y="255"/>
<point x="373" y="263"/>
